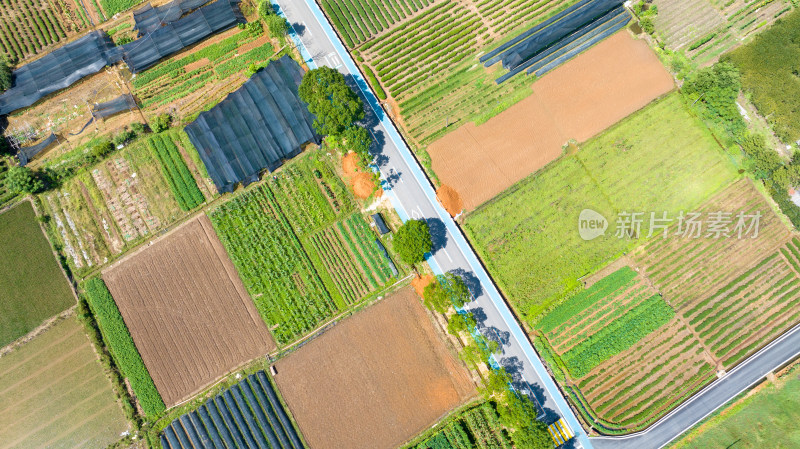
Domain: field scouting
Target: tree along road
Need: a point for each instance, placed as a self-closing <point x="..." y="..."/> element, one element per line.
<point x="413" y="197"/>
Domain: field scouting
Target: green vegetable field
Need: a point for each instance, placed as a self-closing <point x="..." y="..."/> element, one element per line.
<point x="301" y="249"/>
<point x="477" y="428"/>
<point x="175" y="171"/>
<point x="27" y="27"/>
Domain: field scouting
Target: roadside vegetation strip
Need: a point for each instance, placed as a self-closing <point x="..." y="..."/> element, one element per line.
<point x="477" y="427"/>
<point x="32" y="286"/>
<point x="176" y="172"/>
<point x="119" y="341"/>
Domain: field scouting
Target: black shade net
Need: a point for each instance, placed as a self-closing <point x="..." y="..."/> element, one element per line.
<point x="25" y="154"/>
<point x="255" y="128"/>
<point x="120" y="104"/>
<point x="149" y="18"/>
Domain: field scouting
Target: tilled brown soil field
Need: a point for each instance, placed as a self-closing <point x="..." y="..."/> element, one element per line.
<point x="577" y="101"/>
<point x="187" y="310"/>
<point x="375" y="380"/>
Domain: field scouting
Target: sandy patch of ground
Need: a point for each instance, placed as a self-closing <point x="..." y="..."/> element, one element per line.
<point x="450" y="200"/>
<point x="577" y="101"/>
<point x="187" y="310"/>
<point x="374" y="381"/>
<point x="420" y="282"/>
<point x="361" y="182"/>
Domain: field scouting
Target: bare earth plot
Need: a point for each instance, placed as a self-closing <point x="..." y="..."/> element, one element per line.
<point x="54" y="394"/>
<point x="187" y="310"/>
<point x="575" y="101"/>
<point x="375" y="380"/>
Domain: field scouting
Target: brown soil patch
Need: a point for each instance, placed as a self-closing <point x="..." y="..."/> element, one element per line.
<point x="575" y="101"/>
<point x="362" y="183"/>
<point x="263" y="40"/>
<point x="450" y="200"/>
<point x="375" y="380"/>
<point x="187" y="310"/>
<point x="420" y="282"/>
<point x="199" y="64"/>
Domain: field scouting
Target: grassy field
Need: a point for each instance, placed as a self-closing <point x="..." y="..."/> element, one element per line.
<point x="659" y="159"/>
<point x="770" y="77"/>
<point x="32" y="286"/>
<point x="763" y="420"/>
<point x="443" y="41"/>
<point x="301" y="249"/>
<point x="55" y="393"/>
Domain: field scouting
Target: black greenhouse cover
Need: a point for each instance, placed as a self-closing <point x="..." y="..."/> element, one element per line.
<point x="148" y="18"/>
<point x="255" y="127"/>
<point x="122" y="103"/>
<point x="145" y="52"/>
<point x="27" y="153"/>
<point x="246" y="415"/>
<point x="58" y="70"/>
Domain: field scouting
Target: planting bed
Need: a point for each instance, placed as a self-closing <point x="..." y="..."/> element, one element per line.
<point x="476" y="428"/>
<point x="375" y="380"/>
<point x="32" y="286"/>
<point x="576" y="101"/>
<point x="55" y="393"/>
<point x="101" y="212"/>
<point x="28" y="26"/>
<point x="187" y="311"/>
<point x="659" y="159"/>
<point x="707" y="28"/>
<point x="300" y="248"/>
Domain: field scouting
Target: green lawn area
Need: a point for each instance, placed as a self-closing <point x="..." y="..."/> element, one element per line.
<point x="32" y="287"/>
<point x="56" y="395"/>
<point x="767" y="419"/>
<point x="658" y="159"/>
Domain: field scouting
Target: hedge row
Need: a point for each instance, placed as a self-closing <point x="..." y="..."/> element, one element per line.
<point x="121" y="345"/>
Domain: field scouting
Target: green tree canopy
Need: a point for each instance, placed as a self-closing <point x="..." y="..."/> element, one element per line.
<point x="357" y="138"/>
<point x="22" y="180"/>
<point x="461" y="322"/>
<point x="412" y="241"/>
<point x="265" y="9"/>
<point x="5" y="74"/>
<point x="763" y="160"/>
<point x="518" y="412"/>
<point x="277" y="25"/>
<point x="331" y="100"/>
<point x="446" y="291"/>
<point x="716" y="89"/>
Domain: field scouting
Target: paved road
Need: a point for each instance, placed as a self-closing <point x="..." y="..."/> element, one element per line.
<point x="413" y="197"/>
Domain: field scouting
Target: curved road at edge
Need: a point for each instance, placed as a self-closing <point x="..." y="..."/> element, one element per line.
<point x="413" y="196"/>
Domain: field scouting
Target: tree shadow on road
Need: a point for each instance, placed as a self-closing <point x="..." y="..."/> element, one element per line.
<point x="472" y="281"/>
<point x="438" y="234"/>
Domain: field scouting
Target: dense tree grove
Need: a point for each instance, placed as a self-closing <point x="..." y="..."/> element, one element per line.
<point x="335" y="106"/>
<point x="412" y="241"/>
<point x="446" y="291"/>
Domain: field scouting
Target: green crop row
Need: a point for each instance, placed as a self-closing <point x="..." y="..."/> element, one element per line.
<point x="339" y="263"/>
<point x="374" y="83"/>
<point x="476" y="428"/>
<point x="618" y="336"/>
<point x="366" y="240"/>
<point x="584" y="300"/>
<point x="175" y="171"/>
<point x="358" y="20"/>
<point x="286" y="287"/>
<point x="121" y="345"/>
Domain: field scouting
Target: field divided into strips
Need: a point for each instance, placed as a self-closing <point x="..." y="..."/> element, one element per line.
<point x="28" y="26"/>
<point x="476" y="428"/>
<point x="707" y="28"/>
<point x="175" y="171"/>
<point x="300" y="248"/>
<point x="55" y="394"/>
<point x="101" y="211"/>
<point x="442" y="41"/>
<point x="249" y="414"/>
<point x="359" y="20"/>
<point x="32" y="286"/>
<point x="189" y="81"/>
<point x="623" y="348"/>
<point x="737" y="294"/>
